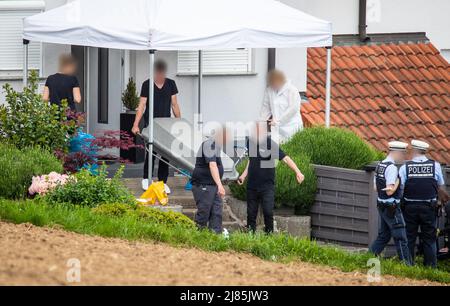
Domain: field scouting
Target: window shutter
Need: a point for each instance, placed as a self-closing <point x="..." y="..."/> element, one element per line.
<point x="236" y="61"/>
<point x="11" y="44"/>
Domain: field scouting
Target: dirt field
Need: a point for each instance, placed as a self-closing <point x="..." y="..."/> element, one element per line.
<point x="32" y="255"/>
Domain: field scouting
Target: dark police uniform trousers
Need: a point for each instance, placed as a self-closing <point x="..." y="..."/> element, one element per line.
<point x="420" y="208"/>
<point x="392" y="223"/>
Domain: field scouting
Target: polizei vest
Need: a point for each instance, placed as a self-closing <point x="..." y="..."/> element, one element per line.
<point x="381" y="182"/>
<point x="420" y="182"/>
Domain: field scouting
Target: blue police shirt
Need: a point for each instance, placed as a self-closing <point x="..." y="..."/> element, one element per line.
<point x="437" y="171"/>
<point x="390" y="175"/>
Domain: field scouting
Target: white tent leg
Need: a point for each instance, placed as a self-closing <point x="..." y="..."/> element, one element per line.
<point x="150" y="114"/>
<point x="328" y="90"/>
<point x="200" y="86"/>
<point x="25" y="62"/>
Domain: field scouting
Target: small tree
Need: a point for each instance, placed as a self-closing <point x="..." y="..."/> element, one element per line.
<point x="130" y="98"/>
<point x="26" y="120"/>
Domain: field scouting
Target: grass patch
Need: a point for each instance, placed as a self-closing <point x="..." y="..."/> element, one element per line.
<point x="278" y="247"/>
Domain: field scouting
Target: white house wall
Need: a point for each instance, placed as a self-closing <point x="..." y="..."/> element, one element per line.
<point x="50" y="52"/>
<point x="385" y="16"/>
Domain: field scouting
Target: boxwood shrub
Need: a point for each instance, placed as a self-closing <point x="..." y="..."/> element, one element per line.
<point x="19" y="166"/>
<point x="287" y="191"/>
<point x="333" y="147"/>
<point x="317" y="145"/>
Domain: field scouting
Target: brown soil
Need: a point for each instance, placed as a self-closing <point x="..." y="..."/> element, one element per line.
<point x="31" y="255"/>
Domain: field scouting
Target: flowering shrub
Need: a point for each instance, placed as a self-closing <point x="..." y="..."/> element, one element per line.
<point x="41" y="185"/>
<point x="86" y="189"/>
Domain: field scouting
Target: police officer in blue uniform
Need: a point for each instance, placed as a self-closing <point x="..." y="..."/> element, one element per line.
<point x="421" y="179"/>
<point x="392" y="223"/>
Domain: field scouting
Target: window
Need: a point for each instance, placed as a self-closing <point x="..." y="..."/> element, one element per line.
<point x="103" y="85"/>
<point x="237" y="61"/>
<point x="12" y="14"/>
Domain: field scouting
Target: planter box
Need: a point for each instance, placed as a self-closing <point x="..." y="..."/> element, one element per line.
<point x="345" y="211"/>
<point x="134" y="155"/>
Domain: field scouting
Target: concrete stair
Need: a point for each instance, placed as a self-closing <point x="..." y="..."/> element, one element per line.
<point x="184" y="198"/>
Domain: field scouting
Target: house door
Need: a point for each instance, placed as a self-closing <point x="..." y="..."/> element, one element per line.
<point x="105" y="84"/>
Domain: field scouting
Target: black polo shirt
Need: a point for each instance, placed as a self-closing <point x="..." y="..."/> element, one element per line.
<point x="162" y="99"/>
<point x="61" y="87"/>
<point x="209" y="152"/>
<point x="261" y="170"/>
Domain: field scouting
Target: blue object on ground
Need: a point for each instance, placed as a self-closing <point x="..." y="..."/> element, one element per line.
<point x="82" y="142"/>
<point x="188" y="186"/>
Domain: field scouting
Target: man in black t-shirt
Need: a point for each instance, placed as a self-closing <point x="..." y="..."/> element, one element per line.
<point x="165" y="102"/>
<point x="260" y="170"/>
<point x="64" y="84"/>
<point x="207" y="185"/>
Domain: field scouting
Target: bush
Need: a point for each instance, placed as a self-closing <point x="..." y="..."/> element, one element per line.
<point x="27" y="121"/>
<point x="89" y="190"/>
<point x="333" y="147"/>
<point x="287" y="190"/>
<point x="147" y="214"/>
<point x="19" y="166"/>
<point x="319" y="145"/>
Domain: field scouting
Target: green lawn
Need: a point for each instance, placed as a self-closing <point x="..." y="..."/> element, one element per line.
<point x="278" y="247"/>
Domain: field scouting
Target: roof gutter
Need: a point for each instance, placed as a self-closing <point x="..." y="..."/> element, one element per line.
<point x="362" y="28"/>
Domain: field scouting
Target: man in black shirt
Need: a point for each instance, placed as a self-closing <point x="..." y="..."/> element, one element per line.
<point x="64" y="84"/>
<point x="207" y="185"/>
<point x="165" y="102"/>
<point x="260" y="170"/>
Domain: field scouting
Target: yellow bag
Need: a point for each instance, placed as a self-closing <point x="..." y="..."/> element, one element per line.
<point x="160" y="193"/>
<point x="156" y="193"/>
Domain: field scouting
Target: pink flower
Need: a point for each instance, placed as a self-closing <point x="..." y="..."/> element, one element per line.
<point x="43" y="184"/>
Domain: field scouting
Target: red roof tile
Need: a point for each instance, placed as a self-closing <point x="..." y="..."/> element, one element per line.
<point x="384" y="92"/>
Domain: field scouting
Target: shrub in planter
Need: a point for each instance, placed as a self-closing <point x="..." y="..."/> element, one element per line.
<point x="146" y="214"/>
<point x="18" y="167"/>
<point x="26" y="120"/>
<point x="92" y="190"/>
<point x="287" y="190"/>
<point x="333" y="147"/>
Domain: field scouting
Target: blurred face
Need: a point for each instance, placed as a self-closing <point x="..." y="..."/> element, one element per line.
<point x="222" y="136"/>
<point x="69" y="69"/>
<point x="260" y="130"/>
<point x="160" y="76"/>
<point x="398" y="156"/>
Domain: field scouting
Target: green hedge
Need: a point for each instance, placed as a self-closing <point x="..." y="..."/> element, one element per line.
<point x="146" y="214"/>
<point x="318" y="145"/>
<point x="19" y="166"/>
<point x="333" y="147"/>
<point x="288" y="191"/>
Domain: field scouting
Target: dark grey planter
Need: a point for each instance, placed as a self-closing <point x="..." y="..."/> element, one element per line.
<point x="134" y="155"/>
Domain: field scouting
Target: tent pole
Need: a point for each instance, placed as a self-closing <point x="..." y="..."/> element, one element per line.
<point x="25" y="62"/>
<point x="150" y="114"/>
<point x="200" y="87"/>
<point x="328" y="90"/>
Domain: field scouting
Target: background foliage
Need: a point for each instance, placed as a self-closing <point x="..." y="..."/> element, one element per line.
<point x="19" y="166"/>
<point x="26" y="120"/>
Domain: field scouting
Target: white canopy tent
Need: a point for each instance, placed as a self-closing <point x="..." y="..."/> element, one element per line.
<point x="179" y="25"/>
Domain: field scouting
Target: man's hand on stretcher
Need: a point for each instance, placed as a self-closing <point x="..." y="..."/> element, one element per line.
<point x="136" y="130"/>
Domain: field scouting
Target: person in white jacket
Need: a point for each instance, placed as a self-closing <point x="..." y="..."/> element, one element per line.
<point x="281" y="106"/>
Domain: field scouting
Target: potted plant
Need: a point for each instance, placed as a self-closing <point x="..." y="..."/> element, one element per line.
<point x="130" y="100"/>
